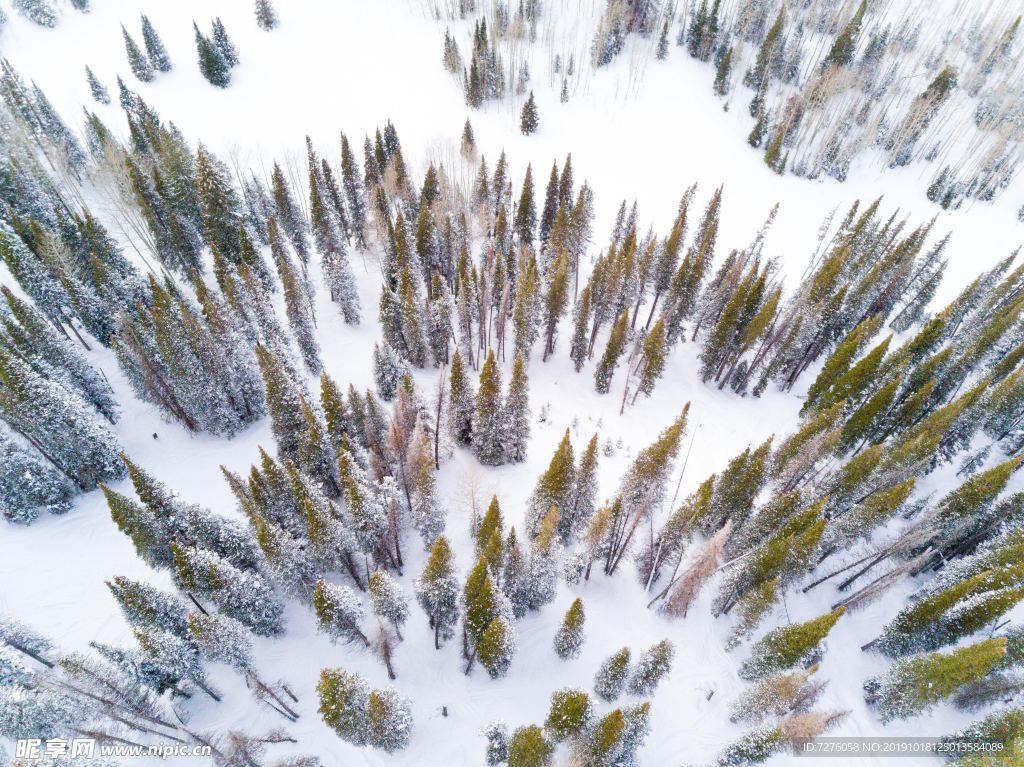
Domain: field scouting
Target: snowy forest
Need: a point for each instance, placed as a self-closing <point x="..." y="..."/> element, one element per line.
<point x="541" y="383"/>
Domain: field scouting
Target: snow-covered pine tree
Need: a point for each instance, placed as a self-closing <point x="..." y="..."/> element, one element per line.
<point x="650" y="668"/>
<point x="570" y="714"/>
<point x="916" y="684"/>
<point x="489" y="423"/>
<point x="140" y="65"/>
<point x="389" y="600"/>
<point x="155" y="49"/>
<point x="266" y="16"/>
<point x="29" y="484"/>
<point x="516" y="415"/>
<point x="556" y="487"/>
<point x="529" y="119"/>
<point x="437" y="591"/>
<point x="338" y="612"/>
<point x="529" y="747"/>
<point x="611" y="677"/>
<point x="212" y="64"/>
<point x="569" y="637"/>
<point x="98" y="90"/>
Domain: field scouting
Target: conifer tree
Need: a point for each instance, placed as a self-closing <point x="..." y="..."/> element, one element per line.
<point x="338" y="612"/>
<point x="223" y="43"/>
<point x="428" y="515"/>
<point x="555" y="488"/>
<point x="569" y="638"/>
<point x="517" y="413"/>
<point x="529" y="747"/>
<point x="488" y="420"/>
<point x="98" y="90"/>
<point x="529" y="120"/>
<point x="140" y="65"/>
<point x="916" y="684"/>
<point x="612" y="353"/>
<point x="496" y="647"/>
<point x="611" y="677"/>
<point x="550" y="210"/>
<point x="212" y="63"/>
<point x="651" y="667"/>
<point x="789" y="646"/>
<point x="155" y="49"/>
<point x="570" y="714"/>
<point x="460" y="402"/>
<point x="388" y="600"/>
<point x="266" y="16"/>
<point x="283" y="404"/>
<point x="468" y="145"/>
<point x="29" y="485"/>
<point x="437" y="591"/>
<point x="526" y="210"/>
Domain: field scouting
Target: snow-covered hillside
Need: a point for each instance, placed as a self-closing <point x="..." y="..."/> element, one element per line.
<point x="639" y="129"/>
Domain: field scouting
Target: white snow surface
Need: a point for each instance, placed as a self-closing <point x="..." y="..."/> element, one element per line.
<point x="639" y="129"/>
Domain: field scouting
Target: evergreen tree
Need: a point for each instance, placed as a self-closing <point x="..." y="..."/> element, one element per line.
<point x="529" y="747"/>
<point x="789" y="646"/>
<point x="29" y="485"/>
<point x="388" y="600"/>
<point x="526" y="210"/>
<point x="569" y="638"/>
<point x="497" y="742"/>
<point x="612" y="353"/>
<point x="98" y="90"/>
<point x="140" y="65"/>
<point x="155" y="49"/>
<point x="651" y="668"/>
<point x="223" y="43"/>
<point x="496" y="647"/>
<point x="212" y="64"/>
<point x="918" y="683"/>
<point x="570" y="714"/>
<point x="612" y="676"/>
<point x="516" y="415"/>
<point x="555" y="488"/>
<point x="529" y="120"/>
<point x="338" y="612"/>
<point x="488" y="420"/>
<point x="437" y="591"/>
<point x="461" y="402"/>
<point x="266" y="16"/>
<point x="283" y="403"/>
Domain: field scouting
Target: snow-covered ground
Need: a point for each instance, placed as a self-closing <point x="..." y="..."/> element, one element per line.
<point x="640" y="129"/>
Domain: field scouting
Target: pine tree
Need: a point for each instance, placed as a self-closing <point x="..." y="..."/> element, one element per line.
<point x="37" y="11"/>
<point x="516" y="415"/>
<point x="223" y="43"/>
<point x="212" y="64"/>
<point x="147" y="607"/>
<point x="496" y="647"/>
<point x="651" y="668"/>
<point x="497" y="742"/>
<point x="266" y="16"/>
<point x="842" y="50"/>
<point x="528" y="747"/>
<point x="723" y="71"/>
<point x="570" y="714"/>
<point x="283" y="403"/>
<point x="344" y="704"/>
<point x="461" y="401"/>
<point x="916" y="684"/>
<point x="569" y="638"/>
<point x="789" y="646"/>
<point x="98" y="90"/>
<point x="529" y="120"/>
<point x="29" y="485"/>
<point x="155" y="49"/>
<point x="778" y="695"/>
<point x="140" y="65"/>
<point x="437" y="591"/>
<point x="547" y="218"/>
<point x="488" y="421"/>
<point x="612" y="353"/>
<point x="526" y="211"/>
<point x="555" y="488"/>
<point x="611" y="677"/>
<point x="468" y="146"/>
<point x="388" y="370"/>
<point x="339" y="612"/>
<point x="388" y="600"/>
<point x="390" y="720"/>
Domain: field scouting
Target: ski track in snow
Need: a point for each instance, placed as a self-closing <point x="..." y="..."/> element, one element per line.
<point x="351" y="65"/>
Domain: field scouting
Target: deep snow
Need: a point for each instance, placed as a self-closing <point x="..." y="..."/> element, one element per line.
<point x="641" y="131"/>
